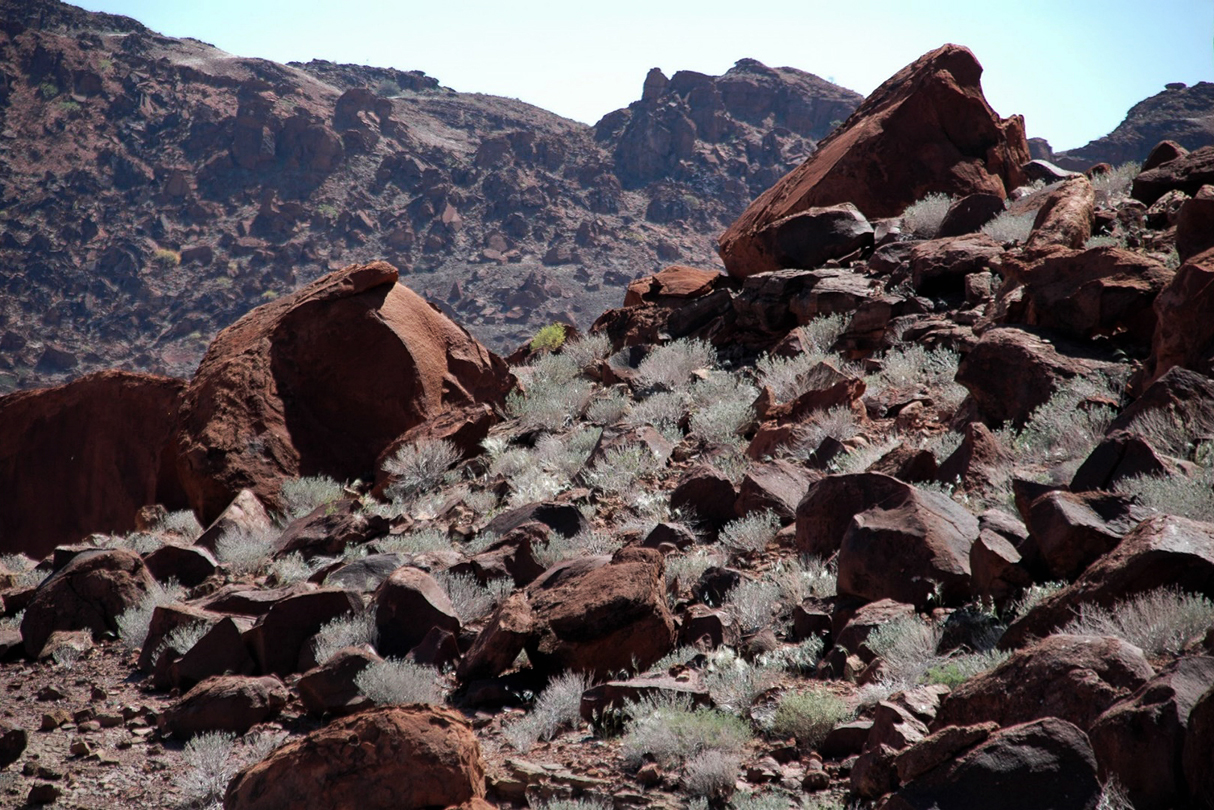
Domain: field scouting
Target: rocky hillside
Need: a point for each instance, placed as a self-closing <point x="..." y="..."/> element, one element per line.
<point x="900" y="512"/>
<point x="155" y="189"/>
<point x="1180" y="113"/>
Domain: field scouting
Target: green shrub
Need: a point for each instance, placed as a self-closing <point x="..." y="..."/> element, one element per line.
<point x="809" y="715"/>
<point x="550" y="338"/>
<point x="666" y="728"/>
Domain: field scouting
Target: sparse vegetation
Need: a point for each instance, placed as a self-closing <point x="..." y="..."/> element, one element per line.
<point x="667" y="728"/>
<point x="671" y="366"/>
<point x="1114" y="186"/>
<point x="809" y="715"/>
<point x="393" y="681"/>
<point x="1159" y="621"/>
<point x="753" y="603"/>
<point x="1174" y="494"/>
<point x="557" y="708"/>
<point x="752" y="533"/>
<point x="133" y="623"/>
<point x="302" y="495"/>
<point x="245" y="550"/>
<point x="419" y="467"/>
<point x="342" y="632"/>
<point x="1008" y="228"/>
<point x="166" y="258"/>
<point x="922" y="219"/>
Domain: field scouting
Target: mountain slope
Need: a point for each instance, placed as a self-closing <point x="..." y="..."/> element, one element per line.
<point x="153" y="189"/>
<point x="1180" y="113"/>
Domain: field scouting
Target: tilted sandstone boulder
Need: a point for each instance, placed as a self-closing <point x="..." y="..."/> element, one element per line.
<point x="675" y="282"/>
<point x="908" y="548"/>
<point x="1184" y="331"/>
<point x="927" y="128"/>
<point x="226" y="703"/>
<point x="1010" y="372"/>
<point x="1140" y="739"/>
<point x="1074" y="678"/>
<point x="1163" y="551"/>
<point x="1065" y="218"/>
<point x="408" y="605"/>
<point x="89" y="593"/>
<point x="1045" y="763"/>
<point x="1187" y="173"/>
<point x="1087" y="293"/>
<point x="397" y="758"/>
<point x="598" y="615"/>
<point x="84" y="457"/>
<point x="322" y="381"/>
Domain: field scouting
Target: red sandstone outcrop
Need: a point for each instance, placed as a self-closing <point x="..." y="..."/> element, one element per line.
<point x="927" y="128"/>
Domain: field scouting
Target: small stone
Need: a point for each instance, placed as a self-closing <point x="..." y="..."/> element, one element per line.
<point x="89" y="726"/>
<point x="650" y="775"/>
<point x="79" y="748"/>
<point x="109" y="720"/>
<point x="98" y="694"/>
<point x="53" y="720"/>
<point x="47" y="693"/>
<point x="43" y="794"/>
<point x="815" y="780"/>
<point x="47" y="772"/>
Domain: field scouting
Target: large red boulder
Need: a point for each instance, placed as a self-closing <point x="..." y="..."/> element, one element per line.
<point x="1184" y="330"/>
<point x="89" y="593"/>
<point x="322" y="381"/>
<point x="1075" y="678"/>
<point x="84" y="457"/>
<point x="1140" y="740"/>
<point x="402" y="757"/>
<point x="598" y="615"/>
<point x="1046" y="763"/>
<point x="1163" y="551"/>
<point x="1087" y="293"/>
<point x="928" y="128"/>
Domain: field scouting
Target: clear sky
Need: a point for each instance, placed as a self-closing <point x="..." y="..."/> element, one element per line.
<point x="1071" y="67"/>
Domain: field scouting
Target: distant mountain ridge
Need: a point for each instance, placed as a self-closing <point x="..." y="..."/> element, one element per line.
<point x="154" y="189"/>
<point x="1181" y="113"/>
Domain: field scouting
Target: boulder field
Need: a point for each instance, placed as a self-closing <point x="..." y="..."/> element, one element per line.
<point x="906" y="510"/>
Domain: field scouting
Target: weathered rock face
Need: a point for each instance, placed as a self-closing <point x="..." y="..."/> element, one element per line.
<point x="406" y="757"/>
<point x="1164" y="551"/>
<point x="927" y="128"/>
<point x="1088" y="293"/>
<point x="226" y="703"/>
<point x="1199" y="750"/>
<point x="84" y="457"/>
<point x="1074" y="678"/>
<point x="89" y="593"/>
<point x="1140" y="739"/>
<point x="1065" y="218"/>
<point x="1187" y="173"/>
<point x="1071" y="530"/>
<point x="593" y="614"/>
<point x="905" y="548"/>
<point x="321" y="382"/>
<point x="1184" y="332"/>
<point x="408" y="605"/>
<point x="675" y="282"/>
<point x="1010" y="372"/>
<point x="1046" y="763"/>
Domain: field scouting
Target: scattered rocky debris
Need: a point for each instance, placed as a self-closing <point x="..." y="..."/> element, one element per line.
<point x="913" y="508"/>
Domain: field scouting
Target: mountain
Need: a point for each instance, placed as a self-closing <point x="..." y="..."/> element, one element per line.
<point x="1180" y="113"/>
<point x="154" y="189"/>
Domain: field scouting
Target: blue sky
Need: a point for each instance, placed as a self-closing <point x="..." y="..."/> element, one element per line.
<point x="1072" y="68"/>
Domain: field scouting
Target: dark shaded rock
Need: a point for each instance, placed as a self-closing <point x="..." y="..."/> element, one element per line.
<point x="225" y="703"/>
<point x="1047" y="763"/>
<point x="408" y="605"/>
<point x="1075" y="678"/>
